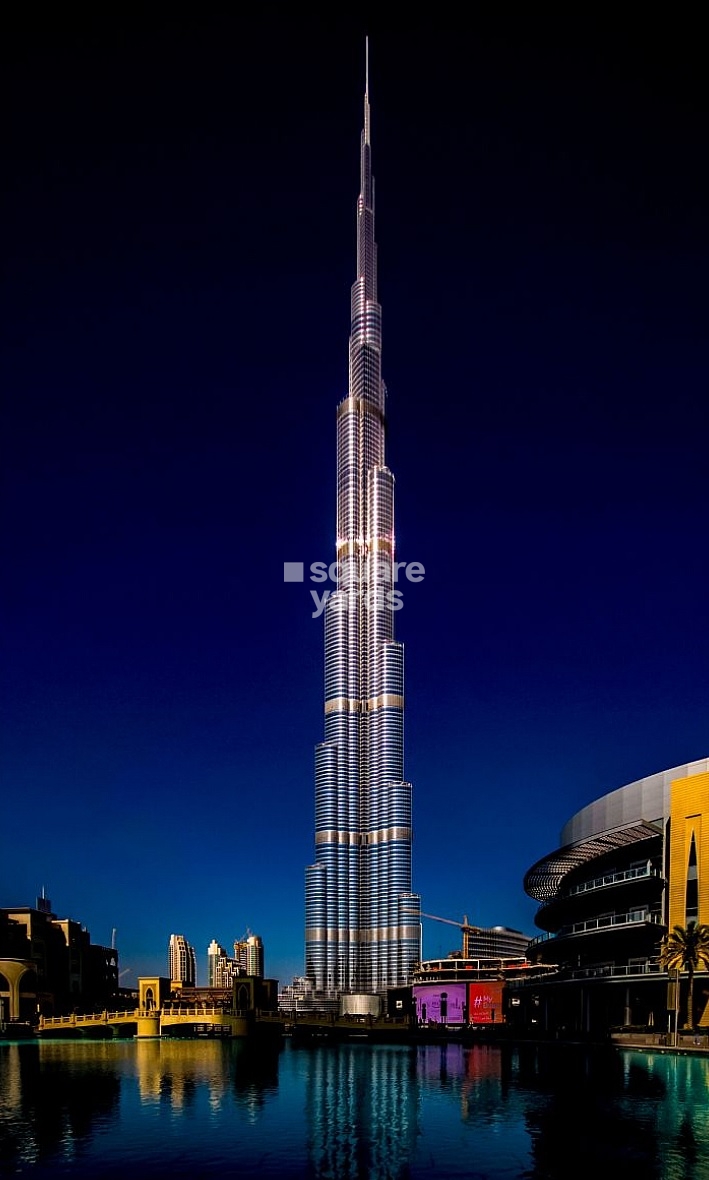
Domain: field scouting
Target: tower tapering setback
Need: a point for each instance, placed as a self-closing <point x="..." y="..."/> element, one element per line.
<point x="363" y="930"/>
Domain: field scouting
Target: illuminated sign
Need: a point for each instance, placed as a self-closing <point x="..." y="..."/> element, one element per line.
<point x="485" y="1002"/>
<point x="440" y="1003"/>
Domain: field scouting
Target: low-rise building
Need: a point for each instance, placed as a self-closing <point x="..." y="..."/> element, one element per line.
<point x="56" y="966"/>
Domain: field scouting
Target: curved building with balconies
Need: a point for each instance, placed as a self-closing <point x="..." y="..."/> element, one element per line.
<point x="630" y="866"/>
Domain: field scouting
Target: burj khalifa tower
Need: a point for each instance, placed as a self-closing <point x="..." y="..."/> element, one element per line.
<point x="363" y="926"/>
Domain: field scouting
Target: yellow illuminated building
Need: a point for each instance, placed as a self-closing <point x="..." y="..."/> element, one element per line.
<point x="688" y="891"/>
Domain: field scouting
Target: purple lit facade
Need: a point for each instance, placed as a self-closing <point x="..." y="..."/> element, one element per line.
<point x="444" y="1003"/>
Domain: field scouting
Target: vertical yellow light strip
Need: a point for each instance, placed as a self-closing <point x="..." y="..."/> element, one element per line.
<point x="689" y="803"/>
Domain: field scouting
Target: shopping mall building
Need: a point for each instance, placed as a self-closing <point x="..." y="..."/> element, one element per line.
<point x="630" y="866"/>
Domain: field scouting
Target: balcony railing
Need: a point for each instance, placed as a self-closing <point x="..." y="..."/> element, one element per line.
<point x="540" y="938"/>
<point x="608" y="970"/>
<point x="611" y="879"/>
<point x="606" y="922"/>
<point x="609" y="921"/>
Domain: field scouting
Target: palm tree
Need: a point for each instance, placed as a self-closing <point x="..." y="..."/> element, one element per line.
<point x="686" y="949"/>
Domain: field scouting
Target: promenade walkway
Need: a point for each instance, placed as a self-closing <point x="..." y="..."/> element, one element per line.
<point x="694" y="1043"/>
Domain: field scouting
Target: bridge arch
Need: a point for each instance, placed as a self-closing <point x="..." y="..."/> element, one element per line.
<point x="11" y="972"/>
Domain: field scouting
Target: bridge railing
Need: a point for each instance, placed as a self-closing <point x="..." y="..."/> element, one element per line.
<point x="197" y="1012"/>
<point x="155" y="1013"/>
<point x="89" y="1017"/>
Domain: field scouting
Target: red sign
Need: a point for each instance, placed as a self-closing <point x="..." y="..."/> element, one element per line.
<point x="485" y="1003"/>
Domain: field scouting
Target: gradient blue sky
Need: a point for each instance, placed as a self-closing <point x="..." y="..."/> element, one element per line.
<point x="180" y="221"/>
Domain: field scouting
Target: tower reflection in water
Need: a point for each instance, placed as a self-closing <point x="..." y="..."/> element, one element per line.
<point x="362" y="1111"/>
<point x="346" y="1112"/>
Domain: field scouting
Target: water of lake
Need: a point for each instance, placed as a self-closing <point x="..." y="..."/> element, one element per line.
<point x="207" y="1108"/>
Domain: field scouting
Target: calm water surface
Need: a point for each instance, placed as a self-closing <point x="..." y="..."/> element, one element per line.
<point x="203" y="1108"/>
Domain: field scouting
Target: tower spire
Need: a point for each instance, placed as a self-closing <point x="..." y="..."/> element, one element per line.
<point x="366" y="91"/>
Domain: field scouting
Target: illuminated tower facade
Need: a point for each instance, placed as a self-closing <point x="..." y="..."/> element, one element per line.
<point x="181" y="963"/>
<point x="363" y="929"/>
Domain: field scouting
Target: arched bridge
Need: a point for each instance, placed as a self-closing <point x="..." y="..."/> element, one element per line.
<point x="155" y="1022"/>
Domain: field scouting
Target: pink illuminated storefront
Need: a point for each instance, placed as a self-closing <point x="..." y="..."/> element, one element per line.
<point x="459" y="1003"/>
<point x="442" y="1003"/>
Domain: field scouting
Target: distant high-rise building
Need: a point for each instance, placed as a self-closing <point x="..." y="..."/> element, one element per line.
<point x="215" y="956"/>
<point x="240" y="953"/>
<point x="182" y="967"/>
<point x="254" y="956"/>
<point x="362" y="923"/>
<point x="248" y="953"/>
<point x="221" y="970"/>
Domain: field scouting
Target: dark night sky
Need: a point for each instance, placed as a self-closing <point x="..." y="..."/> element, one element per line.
<point x="179" y="246"/>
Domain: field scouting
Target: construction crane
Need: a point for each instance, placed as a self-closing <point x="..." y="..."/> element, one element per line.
<point x="468" y="930"/>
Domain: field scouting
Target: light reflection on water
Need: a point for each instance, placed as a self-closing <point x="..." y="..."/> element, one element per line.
<point x="196" y="1107"/>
